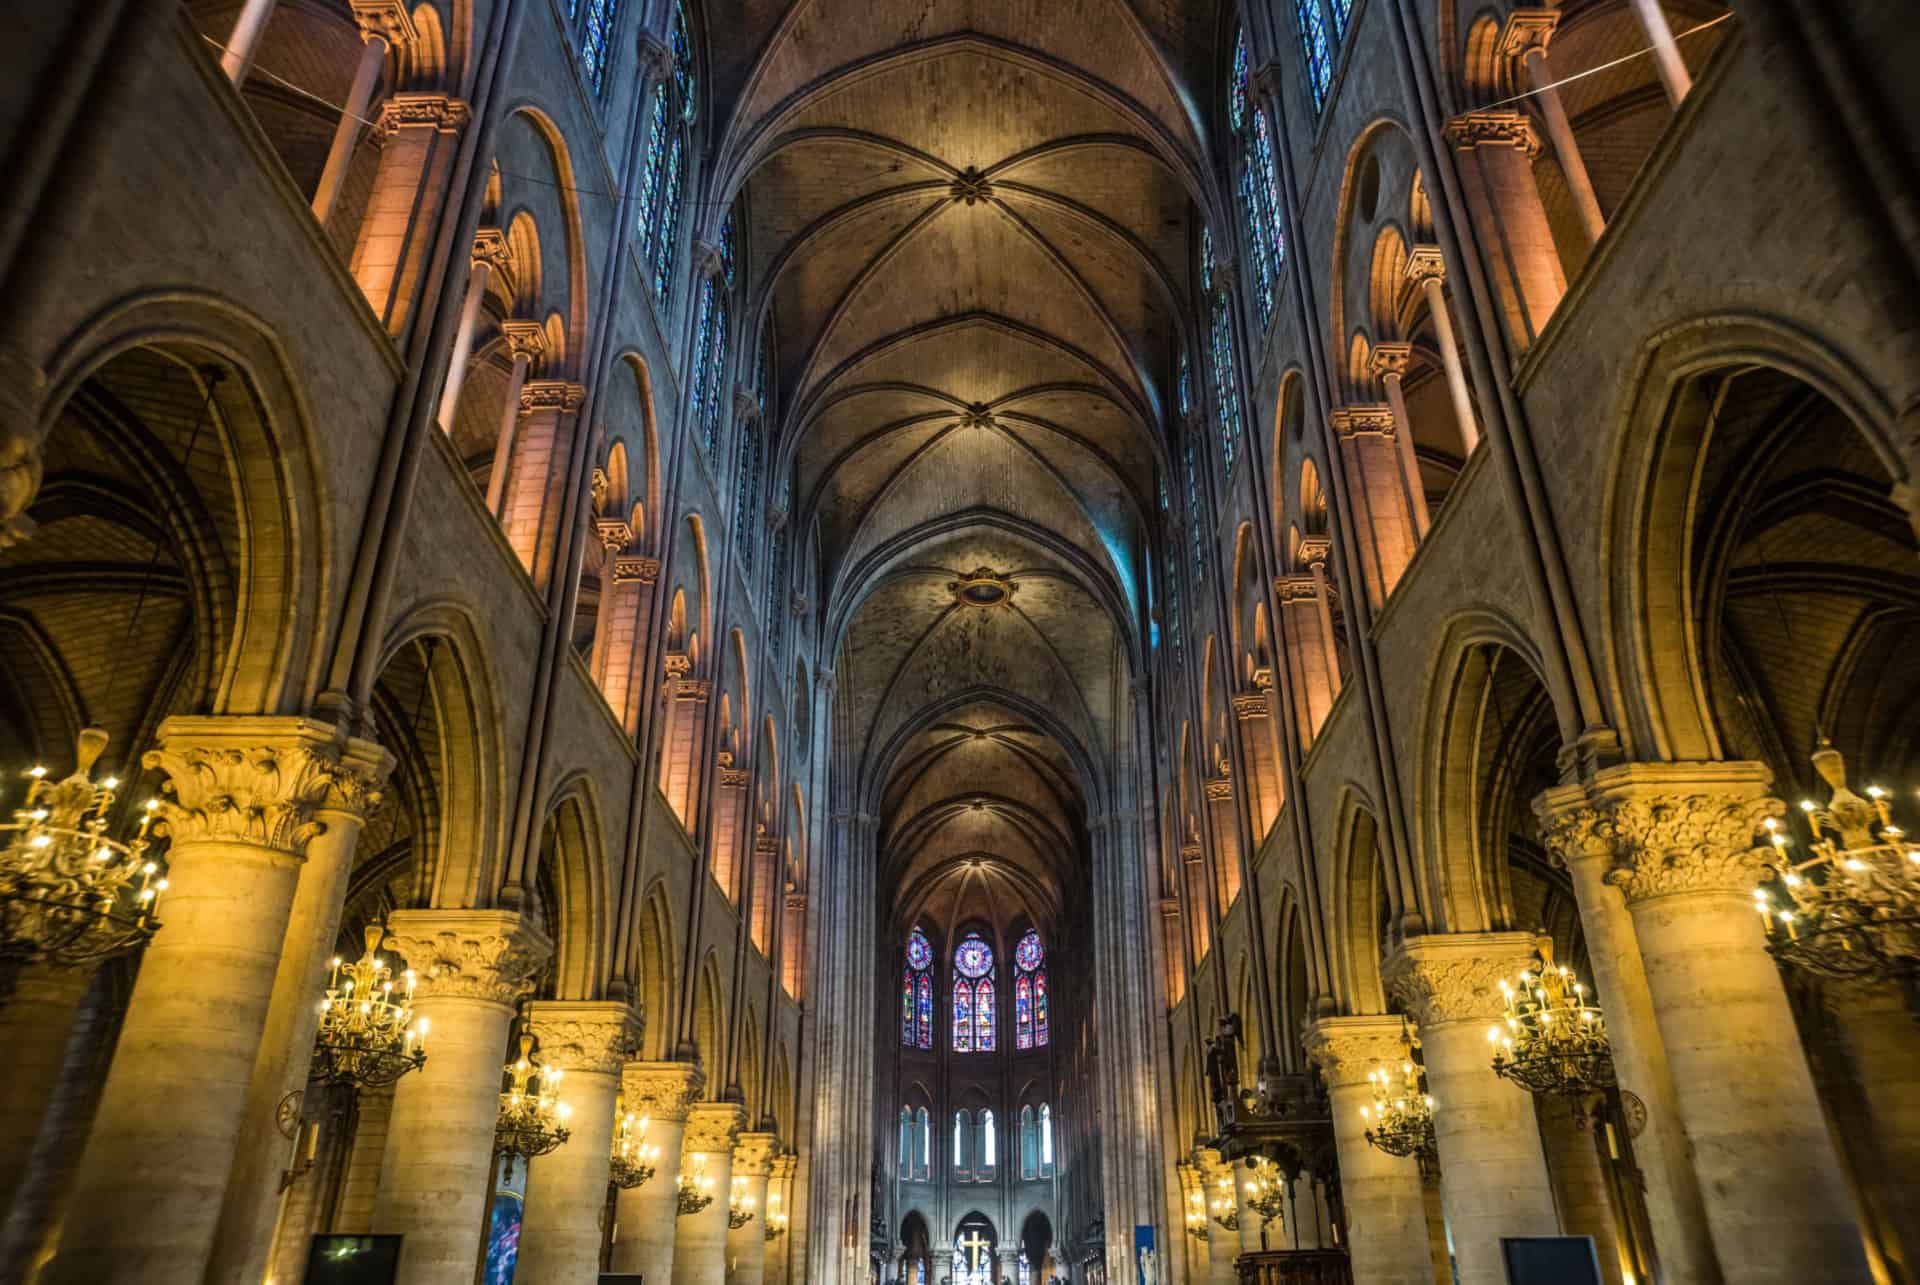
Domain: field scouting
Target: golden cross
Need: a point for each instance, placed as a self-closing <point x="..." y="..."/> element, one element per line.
<point x="975" y="1247"/>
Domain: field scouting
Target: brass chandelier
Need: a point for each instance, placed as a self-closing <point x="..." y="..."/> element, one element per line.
<point x="1852" y="909"/>
<point x="368" y="1036"/>
<point x="739" y="1205"/>
<point x="1553" y="1039"/>
<point x="532" y="1120"/>
<point x="70" y="894"/>
<point x="635" y="1160"/>
<point x="1266" y="1192"/>
<point x="695" y="1189"/>
<point x="1197" y="1216"/>
<point x="776" y="1222"/>
<point x="1400" y="1121"/>
<point x="1226" y="1210"/>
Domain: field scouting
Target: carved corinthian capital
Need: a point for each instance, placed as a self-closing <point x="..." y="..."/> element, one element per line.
<point x="1455" y="977"/>
<point x="1686" y="827"/>
<point x="662" y="1090"/>
<point x="1347" y="1048"/>
<point x="713" y="1126"/>
<point x="491" y="955"/>
<point x="753" y="1155"/>
<point x="576" y="1036"/>
<point x="259" y="781"/>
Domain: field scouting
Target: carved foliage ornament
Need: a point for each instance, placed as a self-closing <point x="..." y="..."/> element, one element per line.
<point x="1346" y="1056"/>
<point x="493" y="957"/>
<point x="662" y="1091"/>
<point x="577" y="1038"/>
<point x="1679" y="843"/>
<point x="260" y="782"/>
<point x="1458" y="982"/>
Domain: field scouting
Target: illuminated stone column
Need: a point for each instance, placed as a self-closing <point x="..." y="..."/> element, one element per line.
<point x="779" y="1216"/>
<point x="436" y="1173"/>
<point x="1493" y="1174"/>
<point x="384" y="26"/>
<point x="1882" y="1046"/>
<point x="620" y="638"/>
<point x="541" y="463"/>
<point x="420" y="134"/>
<point x="1496" y="148"/>
<point x="1216" y="1189"/>
<point x="1427" y="270"/>
<point x="1388" y="535"/>
<point x="527" y="341"/>
<point x="1525" y="39"/>
<point x="1579" y="836"/>
<point x="567" y="1189"/>
<point x="1386" y="1231"/>
<point x="1390" y="363"/>
<point x="661" y="1093"/>
<point x="241" y="812"/>
<point x="1674" y="76"/>
<point x="1687" y="859"/>
<point x="700" y="1240"/>
<point x="243" y="42"/>
<point x="35" y="1026"/>
<point x="747" y="1245"/>
<point x="1193" y="1185"/>
<point x="489" y="253"/>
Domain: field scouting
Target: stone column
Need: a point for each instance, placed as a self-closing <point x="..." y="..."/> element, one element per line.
<point x="416" y="164"/>
<point x="35" y="1027"/>
<point x="1386" y="1230"/>
<point x="1579" y="836"/>
<point x="779" y="1217"/>
<point x="489" y="249"/>
<point x="661" y="1092"/>
<point x="360" y="1184"/>
<point x="700" y="1240"/>
<point x="1259" y="742"/>
<point x="244" y="1239"/>
<point x="1674" y="76"/>
<point x="1882" y="1046"/>
<point x="1686" y="857"/>
<point x="1251" y="1224"/>
<point x="1525" y="39"/>
<point x="1390" y="363"/>
<point x="244" y="791"/>
<point x="1493" y="1174"/>
<point x="384" y="24"/>
<point x="620" y="638"/>
<point x="1366" y="434"/>
<point x="567" y="1188"/>
<point x="244" y="41"/>
<point x="527" y="341"/>
<point x="1496" y="148"/>
<point x="1223" y="1246"/>
<point x="1427" y="269"/>
<point x="537" y="477"/>
<point x="473" y="966"/>
<point x="1306" y="644"/>
<point x="747" y="1245"/>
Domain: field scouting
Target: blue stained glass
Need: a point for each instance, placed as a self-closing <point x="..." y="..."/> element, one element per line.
<point x="650" y="174"/>
<point x="919" y="952"/>
<point x="702" y="347"/>
<point x="1256" y="245"/>
<point x="906" y="1015"/>
<point x="776" y="599"/>
<point x="1319" y="53"/>
<point x="715" y="376"/>
<point x="669" y="220"/>
<point x="1206" y="259"/>
<point x="596" y="38"/>
<point x="1023" y="1013"/>
<point x="926" y="1012"/>
<point x="683" y="75"/>
<point x="962" y="1017"/>
<point x="1342" y="10"/>
<point x="1184" y="387"/>
<point x="726" y="248"/>
<point x="746" y="490"/>
<point x="983" y="1017"/>
<point x="1269" y="188"/>
<point x="1225" y="388"/>
<point x="1029" y="954"/>
<point x="1237" y="90"/>
<point x="973" y="957"/>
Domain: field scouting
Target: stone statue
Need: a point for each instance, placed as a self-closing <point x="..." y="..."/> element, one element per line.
<point x="1149" y="1267"/>
<point x="1223" y="1071"/>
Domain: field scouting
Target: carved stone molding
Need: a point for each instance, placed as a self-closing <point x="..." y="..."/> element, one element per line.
<point x="1251" y="705"/>
<point x="656" y="59"/>
<point x="260" y="781"/>
<point x="23" y="387"/>
<point x="615" y="534"/>
<point x="387" y="20"/>
<point x="1358" y="421"/>
<point x="753" y="1155"/>
<point x="661" y="1090"/>
<point x="1315" y="549"/>
<point x="1191" y="854"/>
<point x="713" y="1126"/>
<point x="1424" y="263"/>
<point x="785" y="1165"/>
<point x="1219" y="789"/>
<point x="1294" y="589"/>
<point x="490" y="248"/>
<point x="693" y="689"/>
<point x="1455" y="977"/>
<point x="733" y="778"/>
<point x="746" y="405"/>
<point x="1391" y="359"/>
<point x="677" y="664"/>
<point x="417" y="111"/>
<point x="551" y="394"/>
<point x="631" y="570"/>
<point x="491" y="955"/>
<point x="524" y="339"/>
<point x="1494" y="127"/>
<point x="1346" y="1049"/>
<point x="1572" y="827"/>
<point x="1527" y="31"/>
<point x="585" y="1036"/>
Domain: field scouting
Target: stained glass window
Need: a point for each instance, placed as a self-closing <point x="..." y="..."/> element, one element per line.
<point x="983" y="1016"/>
<point x="1025" y="1274"/>
<point x="1237" y="89"/>
<point x="702" y="348"/>
<point x="1029" y="1144"/>
<point x="650" y="173"/>
<point x="974" y="958"/>
<point x="1023" y="1013"/>
<point x="1342" y="10"/>
<point x="962" y="1017"/>
<point x="1040" y="1009"/>
<point x="714" y="403"/>
<point x="1319" y="53"/>
<point x="665" y="248"/>
<point x="973" y="1006"/>
<point x="777" y="595"/>
<point x="1029" y="992"/>
<point x="989" y="1144"/>
<point x="1226" y="393"/>
<point x="596" y="38"/>
<point x="906" y="1010"/>
<point x="746" y="518"/>
<point x="683" y="74"/>
<point x="1254" y="218"/>
<point x="925" y="1040"/>
<point x="919" y="952"/>
<point x="1028" y="955"/>
<point x="1196" y="520"/>
<point x="1269" y="188"/>
<point x="726" y="248"/>
<point x="1184" y="387"/>
<point x="916" y="993"/>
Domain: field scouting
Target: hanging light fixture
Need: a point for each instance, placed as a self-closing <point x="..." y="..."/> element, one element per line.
<point x="1400" y="1121"/>
<point x="70" y="894"/>
<point x="1553" y="1039"/>
<point x="739" y="1205"/>
<point x="1226" y="1210"/>
<point x="695" y="1189"/>
<point x="1852" y="909"/>
<point x="368" y="1037"/>
<point x="532" y="1120"/>
<point x="1197" y="1216"/>
<point x="635" y="1160"/>
<point x="1266" y="1191"/>
<point x="776" y="1217"/>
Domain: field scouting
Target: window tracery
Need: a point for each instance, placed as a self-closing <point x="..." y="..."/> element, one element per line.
<point x="973" y="1015"/>
<point x="916" y="993"/>
<point x="1030" y="993"/>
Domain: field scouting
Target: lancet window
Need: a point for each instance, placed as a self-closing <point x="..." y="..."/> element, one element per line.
<point x="973" y="1007"/>
<point x="916" y="993"/>
<point x="1030" y="993"/>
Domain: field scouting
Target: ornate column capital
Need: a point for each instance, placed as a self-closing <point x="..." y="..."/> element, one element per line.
<point x="423" y="111"/>
<point x="1362" y="421"/>
<point x="261" y="780"/>
<point x="1425" y="263"/>
<point x="662" y="1090"/>
<point x="524" y="339"/>
<point x="1573" y="828"/>
<point x="785" y="1166"/>
<point x="1346" y="1049"/>
<point x="551" y="394"/>
<point x="1391" y="359"/>
<point x="1686" y="827"/>
<point x="585" y="1035"/>
<point x="489" y="955"/>
<point x="1528" y="31"/>
<point x="753" y="1155"/>
<point x="387" y="20"/>
<point x="635" y="570"/>
<point x="1494" y="127"/>
<point x="656" y="60"/>
<point x="1293" y="589"/>
<point x="1248" y="706"/>
<point x="490" y="248"/>
<point x="713" y="1126"/>
<point x="1455" y="977"/>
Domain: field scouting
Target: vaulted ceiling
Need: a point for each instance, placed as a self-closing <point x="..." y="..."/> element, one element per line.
<point x="971" y="223"/>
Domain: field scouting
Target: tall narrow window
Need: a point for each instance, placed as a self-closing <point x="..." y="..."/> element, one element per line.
<point x="1342" y="10"/>
<point x="1226" y="394"/>
<point x="923" y="1145"/>
<point x="916" y="993"/>
<point x="1029" y="992"/>
<point x="746" y="494"/>
<point x="1318" y="50"/>
<point x="1046" y="1139"/>
<point x="962" y="1126"/>
<point x="905" y="1159"/>
<point x="1029" y="1145"/>
<point x="1040" y="1009"/>
<point x="663" y="177"/>
<point x="989" y="1144"/>
<point x="973" y="1007"/>
<point x="666" y="244"/>
<point x="596" y="38"/>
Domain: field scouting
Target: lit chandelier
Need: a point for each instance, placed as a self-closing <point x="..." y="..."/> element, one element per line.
<point x="1197" y="1216"/>
<point x="1852" y="909"/>
<point x="1266" y="1192"/>
<point x="635" y="1160"/>
<point x="532" y="1120"/>
<point x="367" y="1035"/>
<point x="1226" y="1210"/>
<point x="1400" y="1121"/>
<point x="1553" y="1039"/>
<point x="70" y="895"/>
<point x="739" y="1205"/>
<point x="776" y="1217"/>
<point x="696" y="1189"/>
